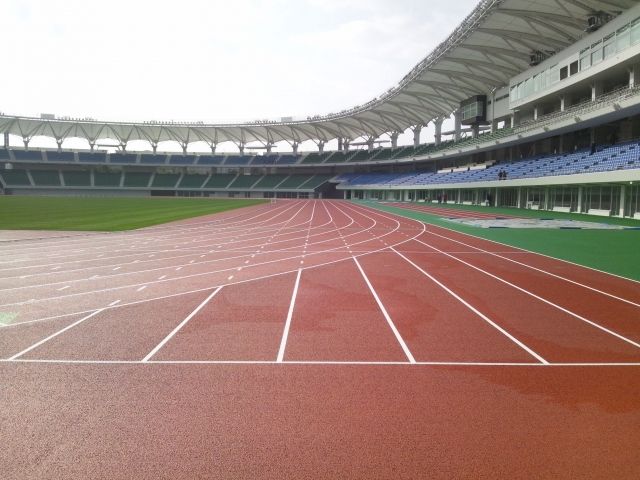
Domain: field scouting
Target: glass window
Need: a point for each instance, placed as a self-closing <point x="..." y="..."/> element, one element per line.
<point x="623" y="38"/>
<point x="564" y="73"/>
<point x="596" y="56"/>
<point x="635" y="31"/>
<point x="513" y="94"/>
<point x="585" y="62"/>
<point x="554" y="75"/>
<point x="573" y="68"/>
<point x="609" y="50"/>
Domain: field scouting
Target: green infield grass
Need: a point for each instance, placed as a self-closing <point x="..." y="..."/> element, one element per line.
<point x="613" y="251"/>
<point x="105" y="214"/>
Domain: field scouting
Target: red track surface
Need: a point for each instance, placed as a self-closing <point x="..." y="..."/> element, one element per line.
<point x="312" y="339"/>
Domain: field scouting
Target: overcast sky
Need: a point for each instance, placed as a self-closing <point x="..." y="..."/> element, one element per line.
<point x="211" y="60"/>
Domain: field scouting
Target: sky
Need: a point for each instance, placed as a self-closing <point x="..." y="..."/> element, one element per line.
<point x="211" y="60"/>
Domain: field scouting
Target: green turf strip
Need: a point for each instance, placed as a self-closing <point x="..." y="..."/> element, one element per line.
<point x="614" y="251"/>
<point x="105" y="214"/>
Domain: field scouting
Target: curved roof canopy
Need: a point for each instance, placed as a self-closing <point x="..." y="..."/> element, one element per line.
<point x="491" y="45"/>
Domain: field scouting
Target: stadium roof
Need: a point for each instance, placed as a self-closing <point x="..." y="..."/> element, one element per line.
<point x="491" y="45"/>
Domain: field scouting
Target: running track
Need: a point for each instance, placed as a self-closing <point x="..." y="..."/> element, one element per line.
<point x="312" y="339"/>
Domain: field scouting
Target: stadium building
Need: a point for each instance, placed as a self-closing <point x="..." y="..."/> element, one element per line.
<point x="544" y="97"/>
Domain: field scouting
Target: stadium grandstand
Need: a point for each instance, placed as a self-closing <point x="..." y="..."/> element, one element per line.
<point x="544" y="98"/>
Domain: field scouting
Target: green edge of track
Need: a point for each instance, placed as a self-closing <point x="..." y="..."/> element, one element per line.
<point x="105" y="214"/>
<point x="613" y="251"/>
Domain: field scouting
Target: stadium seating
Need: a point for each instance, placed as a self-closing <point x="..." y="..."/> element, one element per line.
<point x="107" y="179"/>
<point x="27" y="155"/>
<point x="192" y="181"/>
<point x="237" y="160"/>
<point x="182" y="160"/>
<point x="123" y="158"/>
<point x="244" y="181"/>
<point x="316" y="157"/>
<point x="46" y="178"/>
<point x="219" y="181"/>
<point x="153" y="159"/>
<point x="360" y="156"/>
<point x="136" y="179"/>
<point x="338" y="157"/>
<point x="616" y="157"/>
<point x="269" y="181"/>
<point x="77" y="178"/>
<point x="55" y="156"/>
<point x="315" y="181"/>
<point x="15" y="178"/>
<point x="165" y="180"/>
<point x="293" y="182"/>
<point x="87" y="157"/>
<point x="210" y="160"/>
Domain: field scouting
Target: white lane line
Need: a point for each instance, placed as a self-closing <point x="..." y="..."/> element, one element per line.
<point x="523" y="250"/>
<point x="419" y="232"/>
<point x="116" y="269"/>
<point x="141" y="288"/>
<point x="191" y="262"/>
<point x="322" y="362"/>
<point x="537" y="297"/>
<point x="64" y="288"/>
<point x="395" y="331"/>
<point x="59" y="332"/>
<point x="178" y="269"/>
<point x="114" y="303"/>
<point x="182" y="324"/>
<point x="162" y="277"/>
<point x="559" y="277"/>
<point x="287" y="325"/>
<point x="473" y="309"/>
<point x="55" y="268"/>
<point x="230" y="277"/>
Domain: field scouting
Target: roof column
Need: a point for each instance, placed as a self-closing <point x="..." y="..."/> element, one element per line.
<point x="416" y="135"/>
<point x="154" y="147"/>
<point x="339" y="144"/>
<point x="92" y="144"/>
<point x="370" y="143"/>
<point x="345" y="144"/>
<point x="26" y="141"/>
<point x="59" y="142"/>
<point x="458" y="124"/>
<point x="268" y="146"/>
<point x="634" y="75"/>
<point x="213" y="146"/>
<point x="294" y="147"/>
<point x="394" y="139"/>
<point x="321" y="146"/>
<point x="184" y="146"/>
<point x="596" y="90"/>
<point x="6" y="139"/>
<point x="240" y="147"/>
<point x="437" y="122"/>
<point x="123" y="146"/>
